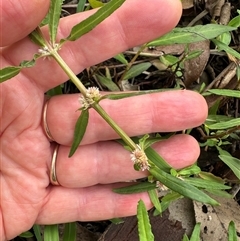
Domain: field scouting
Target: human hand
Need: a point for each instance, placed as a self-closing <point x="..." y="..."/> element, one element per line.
<point x="99" y="165"/>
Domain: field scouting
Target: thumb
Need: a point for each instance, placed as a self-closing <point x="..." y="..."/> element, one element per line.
<point x="19" y="18"/>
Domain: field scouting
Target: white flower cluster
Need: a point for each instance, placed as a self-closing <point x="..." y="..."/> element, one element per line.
<point x="92" y="95"/>
<point x="139" y="158"/>
<point x="44" y="51"/>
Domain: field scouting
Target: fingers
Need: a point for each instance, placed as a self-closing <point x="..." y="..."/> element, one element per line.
<point x="99" y="202"/>
<point x="134" y="23"/>
<point x="162" y="112"/>
<point x="19" y="18"/>
<point x="88" y="204"/>
<point x="108" y="162"/>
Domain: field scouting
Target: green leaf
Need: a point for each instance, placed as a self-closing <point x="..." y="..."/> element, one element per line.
<point x="91" y="22"/>
<point x="79" y="131"/>
<point x="211" y="119"/>
<point x="191" y="34"/>
<point x="169" y="198"/>
<point x="209" y="176"/>
<point x="27" y="63"/>
<point x="227" y="49"/>
<point x="235" y="22"/>
<point x="37" y="37"/>
<point x="136" y="70"/>
<point x="225" y="38"/>
<point x="55" y="91"/>
<point x="232" y="232"/>
<point x="70" y="232"/>
<point x="26" y="234"/>
<point x="54" y="17"/>
<point x="123" y="95"/>
<point x="169" y="60"/>
<point x="107" y="83"/>
<point x="155" y="200"/>
<point x="185" y="238"/>
<point x="198" y="182"/>
<point x="196" y="233"/>
<point x="95" y="3"/>
<point x="156" y="159"/>
<point x="181" y="186"/>
<point x="225" y="125"/>
<point x="219" y="193"/>
<point x="121" y="58"/>
<point x="193" y="54"/>
<point x="8" y="73"/>
<point x="214" y="109"/>
<point x="11" y="71"/>
<point x="226" y="92"/>
<point x="81" y="5"/>
<point x="144" y="226"/>
<point x="51" y="233"/>
<point x="117" y="220"/>
<point x="233" y="163"/>
<point x="136" y="188"/>
<point x="191" y="170"/>
<point x="37" y="232"/>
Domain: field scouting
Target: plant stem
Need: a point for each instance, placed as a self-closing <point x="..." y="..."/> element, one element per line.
<point x="69" y="72"/>
<point x="114" y="125"/>
<point x="95" y="106"/>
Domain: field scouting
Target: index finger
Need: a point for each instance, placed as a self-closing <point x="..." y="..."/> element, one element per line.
<point x="134" y="23"/>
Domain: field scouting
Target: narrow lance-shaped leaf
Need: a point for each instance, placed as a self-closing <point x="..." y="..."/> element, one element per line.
<point x="26" y="234"/>
<point x="201" y="183"/>
<point x="196" y="233"/>
<point x="144" y="226"/>
<point x="233" y="163"/>
<point x="226" y="92"/>
<point x="181" y="187"/>
<point x="70" y="232"/>
<point x="81" y="6"/>
<point x="37" y="232"/>
<point x="136" y="70"/>
<point x="54" y="16"/>
<point x="232" y="233"/>
<point x="226" y="48"/>
<point x="131" y="94"/>
<point x="95" y="3"/>
<point x="91" y="22"/>
<point x="155" y="201"/>
<point x="80" y="129"/>
<point x="51" y="233"/>
<point x="191" y="34"/>
<point x="11" y="71"/>
<point x="157" y="160"/>
<point x="225" y="125"/>
<point x="8" y="73"/>
<point x="185" y="238"/>
<point x="37" y="37"/>
<point x="136" y="188"/>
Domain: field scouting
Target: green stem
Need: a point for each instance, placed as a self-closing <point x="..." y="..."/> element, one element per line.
<point x="69" y="72"/>
<point x="115" y="126"/>
<point x="96" y="106"/>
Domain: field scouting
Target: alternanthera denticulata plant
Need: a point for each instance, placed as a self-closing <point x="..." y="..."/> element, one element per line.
<point x="185" y="182"/>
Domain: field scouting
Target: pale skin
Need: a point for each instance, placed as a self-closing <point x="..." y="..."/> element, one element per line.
<point x="100" y="164"/>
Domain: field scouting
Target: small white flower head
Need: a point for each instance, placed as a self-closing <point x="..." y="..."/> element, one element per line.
<point x="92" y="95"/>
<point x="44" y="51"/>
<point x="140" y="160"/>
